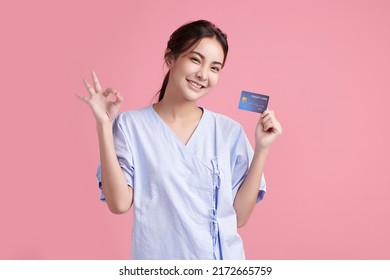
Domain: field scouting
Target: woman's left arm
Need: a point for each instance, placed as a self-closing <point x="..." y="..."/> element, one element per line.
<point x="267" y="130"/>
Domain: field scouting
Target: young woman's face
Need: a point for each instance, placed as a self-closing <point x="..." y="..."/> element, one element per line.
<point x="194" y="73"/>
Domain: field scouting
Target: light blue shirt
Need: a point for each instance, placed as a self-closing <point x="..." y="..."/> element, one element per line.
<point x="183" y="194"/>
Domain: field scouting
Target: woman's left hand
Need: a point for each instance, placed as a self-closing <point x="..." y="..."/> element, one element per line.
<point x="267" y="130"/>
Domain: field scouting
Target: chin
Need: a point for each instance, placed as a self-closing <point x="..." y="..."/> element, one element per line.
<point x="194" y="96"/>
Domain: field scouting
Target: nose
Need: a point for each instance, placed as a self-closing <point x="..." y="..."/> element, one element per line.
<point x="202" y="74"/>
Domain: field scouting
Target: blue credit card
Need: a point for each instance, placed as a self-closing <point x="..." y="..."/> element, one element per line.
<point x="254" y="102"/>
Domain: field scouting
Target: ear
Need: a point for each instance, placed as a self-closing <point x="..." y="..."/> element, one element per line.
<point x="169" y="59"/>
<point x="169" y="62"/>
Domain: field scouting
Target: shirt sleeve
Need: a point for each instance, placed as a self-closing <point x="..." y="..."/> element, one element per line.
<point x="124" y="155"/>
<point x="242" y="154"/>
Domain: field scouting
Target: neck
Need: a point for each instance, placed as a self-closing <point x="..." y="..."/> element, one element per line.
<point x="177" y="110"/>
<point x="174" y="108"/>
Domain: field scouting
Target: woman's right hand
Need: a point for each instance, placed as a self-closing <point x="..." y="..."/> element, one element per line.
<point x="104" y="108"/>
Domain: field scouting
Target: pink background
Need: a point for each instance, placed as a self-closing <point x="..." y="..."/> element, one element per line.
<point x="325" y="64"/>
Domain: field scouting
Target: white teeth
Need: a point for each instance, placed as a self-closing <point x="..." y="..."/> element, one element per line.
<point x="195" y="84"/>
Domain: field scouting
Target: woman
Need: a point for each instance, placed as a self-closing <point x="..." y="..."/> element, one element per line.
<point x="191" y="173"/>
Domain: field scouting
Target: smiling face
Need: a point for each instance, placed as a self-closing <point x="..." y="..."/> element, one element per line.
<point x="194" y="73"/>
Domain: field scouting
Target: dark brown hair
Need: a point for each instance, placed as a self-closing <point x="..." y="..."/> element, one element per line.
<point x="187" y="36"/>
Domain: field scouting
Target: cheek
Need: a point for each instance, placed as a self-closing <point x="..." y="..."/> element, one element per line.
<point x="214" y="79"/>
<point x="190" y="68"/>
<point x="181" y="67"/>
<point x="185" y="66"/>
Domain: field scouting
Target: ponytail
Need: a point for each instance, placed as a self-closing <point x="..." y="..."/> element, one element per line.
<point x="163" y="87"/>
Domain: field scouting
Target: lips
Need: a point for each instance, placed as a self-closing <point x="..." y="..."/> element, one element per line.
<point x="195" y="84"/>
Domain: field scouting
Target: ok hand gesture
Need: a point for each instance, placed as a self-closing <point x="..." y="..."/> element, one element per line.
<point x="101" y="102"/>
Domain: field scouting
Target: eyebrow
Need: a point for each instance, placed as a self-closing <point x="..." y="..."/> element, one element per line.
<point x="203" y="57"/>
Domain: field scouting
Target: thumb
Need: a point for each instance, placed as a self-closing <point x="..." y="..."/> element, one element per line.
<point x="119" y="98"/>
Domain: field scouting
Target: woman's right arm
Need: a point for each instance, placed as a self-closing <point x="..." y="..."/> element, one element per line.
<point x="118" y="195"/>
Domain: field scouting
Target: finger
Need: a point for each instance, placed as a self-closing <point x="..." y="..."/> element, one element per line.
<point x="108" y="91"/>
<point x="275" y="128"/>
<point x="83" y="98"/>
<point x="267" y="125"/>
<point x="278" y="128"/>
<point x="119" y="98"/>
<point x="89" y="88"/>
<point x="267" y="112"/>
<point x="98" y="88"/>
<point x="266" y="118"/>
<point x="118" y="95"/>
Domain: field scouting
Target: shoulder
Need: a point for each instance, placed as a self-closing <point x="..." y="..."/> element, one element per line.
<point x="134" y="113"/>
<point x="132" y="123"/>
<point x="132" y="116"/>
<point x="222" y="121"/>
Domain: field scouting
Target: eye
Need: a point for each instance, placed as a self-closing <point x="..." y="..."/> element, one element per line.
<point x="195" y="59"/>
<point x="215" y="68"/>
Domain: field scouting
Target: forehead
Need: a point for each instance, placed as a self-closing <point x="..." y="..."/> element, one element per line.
<point x="210" y="48"/>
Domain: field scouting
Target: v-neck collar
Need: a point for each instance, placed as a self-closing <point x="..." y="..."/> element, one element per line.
<point x="172" y="133"/>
